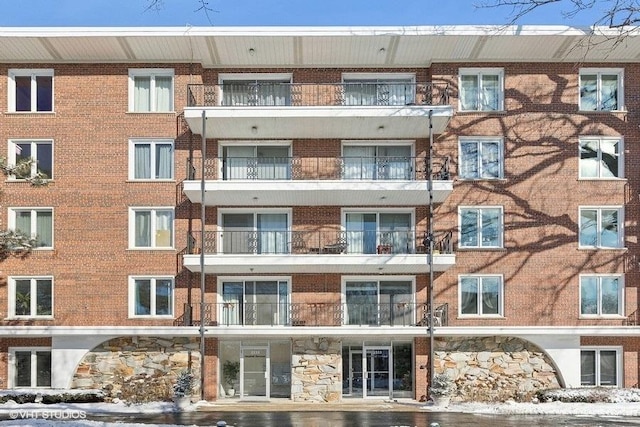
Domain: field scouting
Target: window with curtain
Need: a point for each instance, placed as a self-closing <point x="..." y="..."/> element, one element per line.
<point x="601" y="89"/>
<point x="599" y="367"/>
<point x="379" y="91"/>
<point x="481" y="227"/>
<point x="152" y="160"/>
<point x="36" y="223"/>
<point x="601" y="158"/>
<point x="382" y="232"/>
<point x="39" y="152"/>
<point x="151" y="296"/>
<point x="31" y="90"/>
<point x="601" y="295"/>
<point x="259" y="162"/>
<point x="261" y="233"/>
<point x="377" y="162"/>
<point x="481" y="89"/>
<point x="480" y="295"/>
<point x="256" y="92"/>
<point x="151" y="90"/>
<point x="31" y="296"/>
<point x="261" y="302"/>
<point x="152" y="228"/>
<point x="481" y="158"/>
<point x="31" y="367"/>
<point x="387" y="303"/>
<point x="601" y="227"/>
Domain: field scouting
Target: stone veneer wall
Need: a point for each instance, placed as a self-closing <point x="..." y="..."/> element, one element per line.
<point x="316" y="370"/>
<point x="138" y="369"/>
<point x="494" y="368"/>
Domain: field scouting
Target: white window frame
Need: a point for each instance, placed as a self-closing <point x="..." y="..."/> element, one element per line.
<point x="599" y="313"/>
<point x="619" y="365"/>
<point x="600" y="139"/>
<point x="152" y="300"/>
<point x="249" y="77"/>
<point x="248" y="143"/>
<point x="33" y="290"/>
<point x="480" y="140"/>
<point x="480" y="278"/>
<point x="34" y="372"/>
<point x="479" y="72"/>
<point x="153" y="210"/>
<point x="33" y="73"/>
<point x="500" y="227"/>
<point x="378" y="279"/>
<point x="599" y="72"/>
<point x="220" y="292"/>
<point x="152" y="73"/>
<point x="599" y="209"/>
<point x="34" y="227"/>
<point x="34" y="166"/>
<point x="152" y="142"/>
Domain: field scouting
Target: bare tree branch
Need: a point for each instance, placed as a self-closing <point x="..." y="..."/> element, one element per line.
<point x="202" y="7"/>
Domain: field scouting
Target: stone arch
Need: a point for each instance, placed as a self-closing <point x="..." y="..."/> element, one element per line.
<point x="138" y="368"/>
<point x="495" y="368"/>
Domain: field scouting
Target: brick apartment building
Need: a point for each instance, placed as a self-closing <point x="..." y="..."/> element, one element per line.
<point x="346" y="172"/>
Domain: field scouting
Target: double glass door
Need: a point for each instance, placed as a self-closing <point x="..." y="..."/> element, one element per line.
<point x="367" y="372"/>
<point x="254" y="372"/>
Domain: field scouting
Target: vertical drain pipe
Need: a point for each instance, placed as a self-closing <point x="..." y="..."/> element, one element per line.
<point x="202" y="235"/>
<point x="431" y="242"/>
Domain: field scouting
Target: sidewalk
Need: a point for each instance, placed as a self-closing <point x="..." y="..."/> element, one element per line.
<point x="286" y="405"/>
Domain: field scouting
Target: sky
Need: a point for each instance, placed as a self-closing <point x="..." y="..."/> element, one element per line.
<point x="178" y="13"/>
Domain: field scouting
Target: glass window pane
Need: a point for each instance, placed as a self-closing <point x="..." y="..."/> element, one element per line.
<point x="23" y="222"/>
<point x="610" y="236"/>
<point x="469" y="295"/>
<point x="469" y="160"/>
<point x="164" y="229"/>
<point x="142" y="94"/>
<point x="164" y="98"/>
<point x="588" y="92"/>
<point x="43" y="366"/>
<point x="44" y="156"/>
<point x="609" y="84"/>
<point x="469" y="92"/>
<point x="610" y="295"/>
<point x="490" y="227"/>
<point x="608" y="368"/>
<point x="588" y="295"/>
<point x="588" y="227"/>
<point x="23" y="297"/>
<point x="23" y="154"/>
<point x="43" y="300"/>
<point x="142" y="297"/>
<point x="143" y="229"/>
<point x="609" y="158"/>
<point x="490" y="92"/>
<point x="142" y="161"/>
<point x="164" y="161"/>
<point x="490" y="160"/>
<point x="589" y="161"/>
<point x="163" y="297"/>
<point x="469" y="227"/>
<point x="44" y="93"/>
<point x="23" y="369"/>
<point x="23" y="93"/>
<point x="44" y="228"/>
<point x="587" y="367"/>
<point x="491" y="295"/>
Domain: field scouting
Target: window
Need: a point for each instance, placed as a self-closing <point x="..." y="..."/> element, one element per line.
<point x="151" y="90"/>
<point x="150" y="296"/>
<point x="374" y="302"/>
<point x="481" y="89"/>
<point x="255" y="302"/>
<point x="379" y="232"/>
<point x="601" y="295"/>
<point x="601" y="89"/>
<point x="151" y="159"/>
<point x="379" y="89"/>
<point x="600" y="367"/>
<point x="40" y="153"/>
<point x="377" y="161"/>
<point x="601" y="158"/>
<point x="481" y="295"/>
<point x="255" y="233"/>
<point x="481" y="227"/>
<point x="601" y="227"/>
<point x="34" y="222"/>
<point x="30" y="296"/>
<point x="256" y="162"/>
<point x="256" y="89"/>
<point x="29" y="367"/>
<point x="31" y="90"/>
<point x="151" y="228"/>
<point x="481" y="158"/>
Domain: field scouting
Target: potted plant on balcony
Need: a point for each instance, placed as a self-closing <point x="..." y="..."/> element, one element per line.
<point x="442" y="389"/>
<point x="182" y="389"/>
<point x="230" y="372"/>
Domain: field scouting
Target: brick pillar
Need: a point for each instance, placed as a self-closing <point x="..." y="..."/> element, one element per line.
<point x="211" y="369"/>
<point x="421" y="378"/>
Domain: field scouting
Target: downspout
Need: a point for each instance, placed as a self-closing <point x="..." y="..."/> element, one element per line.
<point x="202" y="235"/>
<point x="430" y="259"/>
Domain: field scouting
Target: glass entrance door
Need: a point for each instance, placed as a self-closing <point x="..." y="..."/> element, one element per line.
<point x="378" y="372"/>
<point x="352" y="374"/>
<point x="254" y="372"/>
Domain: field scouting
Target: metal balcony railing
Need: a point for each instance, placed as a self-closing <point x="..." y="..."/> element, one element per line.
<point x="266" y="94"/>
<point x="313" y="314"/>
<point x="316" y="242"/>
<point x="381" y="168"/>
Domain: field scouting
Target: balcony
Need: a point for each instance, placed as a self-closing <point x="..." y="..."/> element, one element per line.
<point x="317" y="181"/>
<point x="340" y="252"/>
<point x="390" y="314"/>
<point x="301" y="110"/>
